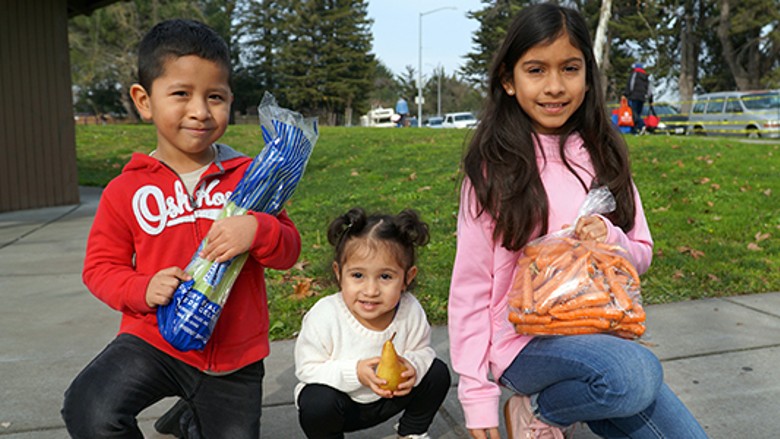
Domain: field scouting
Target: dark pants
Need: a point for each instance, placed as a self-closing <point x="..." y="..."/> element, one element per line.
<point x="636" y="108"/>
<point x="131" y="375"/>
<point x="325" y="412"/>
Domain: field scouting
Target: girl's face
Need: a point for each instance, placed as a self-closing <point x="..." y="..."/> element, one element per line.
<point x="549" y="83"/>
<point x="371" y="282"/>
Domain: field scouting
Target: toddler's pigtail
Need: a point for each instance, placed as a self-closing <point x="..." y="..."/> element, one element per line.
<point x="345" y="225"/>
<point x="412" y="229"/>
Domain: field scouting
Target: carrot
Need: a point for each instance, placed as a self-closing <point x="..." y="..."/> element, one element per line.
<point x="526" y="291"/>
<point x="530" y="319"/>
<point x="637" y="329"/>
<point x="544" y="330"/>
<point x="598" y="298"/>
<point x="600" y="312"/>
<point x="622" y="299"/>
<point x="555" y="258"/>
<point x="636" y="315"/>
<point x="595" y="323"/>
<point x="546" y="297"/>
<point x="626" y="266"/>
<point x="553" y="245"/>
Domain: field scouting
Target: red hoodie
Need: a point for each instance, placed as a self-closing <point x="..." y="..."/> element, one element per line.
<point x="146" y="221"/>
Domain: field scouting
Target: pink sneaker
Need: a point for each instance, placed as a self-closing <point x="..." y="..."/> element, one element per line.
<point x="522" y="424"/>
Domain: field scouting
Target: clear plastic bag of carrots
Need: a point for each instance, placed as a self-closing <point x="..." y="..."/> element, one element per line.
<point x="565" y="286"/>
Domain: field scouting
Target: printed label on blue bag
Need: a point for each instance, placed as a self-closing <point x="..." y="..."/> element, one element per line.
<point x="187" y="322"/>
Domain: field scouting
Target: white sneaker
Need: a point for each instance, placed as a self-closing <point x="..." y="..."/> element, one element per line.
<point x="522" y="424"/>
<point x="412" y="436"/>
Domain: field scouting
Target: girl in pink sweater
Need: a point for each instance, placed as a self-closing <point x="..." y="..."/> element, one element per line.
<point x="544" y="140"/>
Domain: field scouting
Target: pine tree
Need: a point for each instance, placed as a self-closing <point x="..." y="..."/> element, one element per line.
<point x="494" y="21"/>
<point x="258" y="35"/>
<point x="325" y="63"/>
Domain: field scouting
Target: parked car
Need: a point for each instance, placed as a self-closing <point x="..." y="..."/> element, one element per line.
<point x="671" y="121"/>
<point x="459" y="120"/>
<point x="743" y="113"/>
<point x="434" y="122"/>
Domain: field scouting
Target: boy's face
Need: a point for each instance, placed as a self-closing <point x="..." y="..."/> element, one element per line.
<point x="190" y="106"/>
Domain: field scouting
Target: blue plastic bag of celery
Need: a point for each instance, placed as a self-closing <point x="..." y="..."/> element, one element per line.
<point x="270" y="180"/>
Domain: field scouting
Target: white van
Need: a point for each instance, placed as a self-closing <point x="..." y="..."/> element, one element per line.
<point x="459" y="120"/>
<point x="742" y="113"/>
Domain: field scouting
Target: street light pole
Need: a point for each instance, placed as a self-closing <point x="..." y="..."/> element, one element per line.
<point x="419" y="65"/>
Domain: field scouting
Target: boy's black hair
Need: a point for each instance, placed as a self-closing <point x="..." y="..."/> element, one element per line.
<point x="174" y="39"/>
<point x="405" y="231"/>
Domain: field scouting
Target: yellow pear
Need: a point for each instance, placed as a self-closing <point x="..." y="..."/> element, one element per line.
<point x="390" y="367"/>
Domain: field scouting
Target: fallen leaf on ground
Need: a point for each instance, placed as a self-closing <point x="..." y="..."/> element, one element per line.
<point x="753" y="247"/>
<point x="692" y="252"/>
<point x="762" y="236"/>
<point x="303" y="289"/>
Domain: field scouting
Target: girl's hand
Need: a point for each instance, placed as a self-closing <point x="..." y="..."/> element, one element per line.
<point x="490" y="433"/>
<point x="163" y="284"/>
<point x="409" y="375"/>
<point x="366" y="373"/>
<point x="229" y="237"/>
<point x="591" y="228"/>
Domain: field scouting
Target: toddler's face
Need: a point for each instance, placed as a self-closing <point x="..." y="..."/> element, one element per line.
<point x="549" y="83"/>
<point x="190" y="106"/>
<point x="371" y="281"/>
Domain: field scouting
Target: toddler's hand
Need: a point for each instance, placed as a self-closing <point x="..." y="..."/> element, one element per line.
<point x="409" y="375"/>
<point x="591" y="228"/>
<point x="163" y="284"/>
<point x="366" y="372"/>
<point x="229" y="237"/>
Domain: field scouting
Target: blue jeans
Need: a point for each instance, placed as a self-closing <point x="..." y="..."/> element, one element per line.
<point x="614" y="385"/>
<point x="130" y="375"/>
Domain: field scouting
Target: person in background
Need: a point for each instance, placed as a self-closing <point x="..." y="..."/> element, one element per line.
<point x="638" y="91"/>
<point x="402" y="110"/>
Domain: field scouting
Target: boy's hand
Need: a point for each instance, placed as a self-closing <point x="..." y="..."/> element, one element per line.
<point x="409" y="375"/>
<point x="366" y="373"/>
<point x="229" y="237"/>
<point x="163" y="284"/>
<point x="591" y="228"/>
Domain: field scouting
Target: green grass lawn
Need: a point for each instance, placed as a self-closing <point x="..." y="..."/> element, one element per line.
<point x="711" y="204"/>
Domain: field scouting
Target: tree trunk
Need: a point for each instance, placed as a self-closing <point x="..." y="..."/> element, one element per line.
<point x="738" y="72"/>
<point x="689" y="43"/>
<point x="599" y="42"/>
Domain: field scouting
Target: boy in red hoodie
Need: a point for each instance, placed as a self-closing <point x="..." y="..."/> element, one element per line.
<point x="150" y="221"/>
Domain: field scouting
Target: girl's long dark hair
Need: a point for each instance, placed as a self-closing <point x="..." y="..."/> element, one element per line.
<point x="500" y="160"/>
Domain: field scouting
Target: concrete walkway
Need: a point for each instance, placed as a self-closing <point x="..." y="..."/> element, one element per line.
<point x="721" y="356"/>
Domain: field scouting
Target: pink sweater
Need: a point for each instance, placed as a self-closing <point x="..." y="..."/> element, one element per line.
<point x="482" y="341"/>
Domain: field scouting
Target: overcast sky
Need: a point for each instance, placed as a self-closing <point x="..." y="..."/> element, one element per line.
<point x="446" y="33"/>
